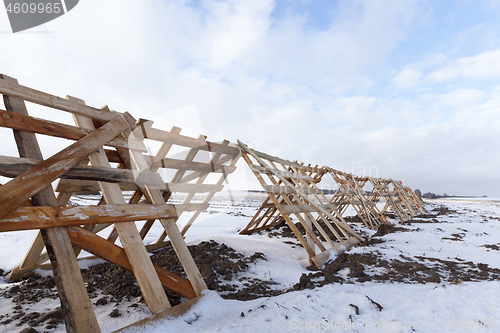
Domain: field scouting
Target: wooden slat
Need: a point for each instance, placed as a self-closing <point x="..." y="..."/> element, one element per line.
<point x="276" y="159"/>
<point x="154" y="196"/>
<point x="276" y="189"/>
<point x="116" y="255"/>
<point x="171" y="163"/>
<point x="14" y="166"/>
<point x="77" y="310"/>
<point x="90" y="186"/>
<point x="13" y="89"/>
<point x="285" y="174"/>
<point x="291" y="209"/>
<point x="19" y="189"/>
<point x="35" y="125"/>
<point x="184" y="141"/>
<point x="142" y="267"/>
<point x="27" y="218"/>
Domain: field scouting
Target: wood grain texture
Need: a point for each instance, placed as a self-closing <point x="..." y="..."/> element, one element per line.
<point x="27" y="218"/>
<point x="77" y="310"/>
<point x="19" y="189"/>
<point x="35" y="125"/>
<point x="112" y="253"/>
<point x="142" y="267"/>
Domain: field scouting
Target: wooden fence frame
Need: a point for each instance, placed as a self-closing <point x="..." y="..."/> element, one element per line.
<point x="293" y="191"/>
<point x="28" y="200"/>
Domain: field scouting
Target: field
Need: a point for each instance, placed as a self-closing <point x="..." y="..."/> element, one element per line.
<point x="439" y="272"/>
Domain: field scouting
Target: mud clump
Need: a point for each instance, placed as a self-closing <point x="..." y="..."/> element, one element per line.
<point x="373" y="266"/>
<point x="219" y="264"/>
<point x="385" y="229"/>
<point x="443" y="210"/>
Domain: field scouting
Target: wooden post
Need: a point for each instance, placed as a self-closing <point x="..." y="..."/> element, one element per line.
<point x="143" y="269"/>
<point x="75" y="303"/>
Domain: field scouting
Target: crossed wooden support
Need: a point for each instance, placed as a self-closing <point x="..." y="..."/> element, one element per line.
<point x="292" y="190"/>
<point x="28" y="200"/>
<point x="350" y="193"/>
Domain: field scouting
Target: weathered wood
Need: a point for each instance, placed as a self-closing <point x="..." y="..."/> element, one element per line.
<point x="27" y="218"/>
<point x="173" y="312"/>
<point x="15" y="90"/>
<point x="275" y="189"/>
<point x="184" y="141"/>
<point x="25" y="185"/>
<point x="35" y="125"/>
<point x="142" y="267"/>
<point x="294" y="191"/>
<point x="292" y="209"/>
<point x="323" y="257"/>
<point x="171" y="163"/>
<point x="154" y="196"/>
<point x="14" y="166"/>
<point x="285" y="174"/>
<point x="116" y="255"/>
<point x="77" y="310"/>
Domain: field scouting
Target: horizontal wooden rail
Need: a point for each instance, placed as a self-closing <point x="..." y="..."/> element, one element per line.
<point x="28" y="218"/>
<point x="21" y="122"/>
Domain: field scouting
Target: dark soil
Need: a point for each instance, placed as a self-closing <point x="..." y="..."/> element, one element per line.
<point x="373" y="266"/>
<point x="443" y="210"/>
<point x="218" y="264"/>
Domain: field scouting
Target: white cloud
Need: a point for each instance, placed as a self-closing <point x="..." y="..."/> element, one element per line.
<point x="485" y="65"/>
<point x="291" y="90"/>
<point x="407" y="78"/>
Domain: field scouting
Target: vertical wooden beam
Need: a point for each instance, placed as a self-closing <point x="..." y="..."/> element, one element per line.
<point x="143" y="269"/>
<point x="75" y="303"/>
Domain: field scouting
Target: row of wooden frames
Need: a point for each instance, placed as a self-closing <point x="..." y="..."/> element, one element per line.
<point x="108" y="153"/>
<point x="292" y="191"/>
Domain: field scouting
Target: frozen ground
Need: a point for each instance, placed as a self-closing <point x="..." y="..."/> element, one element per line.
<point x="466" y="234"/>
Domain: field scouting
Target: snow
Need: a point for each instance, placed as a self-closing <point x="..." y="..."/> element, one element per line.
<point x="431" y="307"/>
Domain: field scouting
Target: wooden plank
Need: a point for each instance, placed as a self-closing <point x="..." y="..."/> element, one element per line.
<point x="154" y="196"/>
<point x="173" y="312"/>
<point x="276" y="159"/>
<point x="35" y="125"/>
<point x="285" y="174"/>
<point x="27" y="218"/>
<point x="170" y="163"/>
<point x="19" y="189"/>
<point x="293" y="209"/>
<point x="13" y="89"/>
<point x="14" y="166"/>
<point x="114" y="254"/>
<point x="276" y="189"/>
<point x="142" y="267"/>
<point x="77" y="310"/>
<point x="184" y="141"/>
<point x="323" y="257"/>
<point x="217" y="158"/>
<point x="92" y="186"/>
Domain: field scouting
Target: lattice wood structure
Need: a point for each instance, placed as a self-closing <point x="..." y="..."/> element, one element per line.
<point x="28" y="200"/>
<point x="350" y="193"/>
<point x="292" y="190"/>
<point x="382" y="192"/>
<point x="406" y="198"/>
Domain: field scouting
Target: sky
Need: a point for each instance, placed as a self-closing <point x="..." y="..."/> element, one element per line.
<point x="402" y="89"/>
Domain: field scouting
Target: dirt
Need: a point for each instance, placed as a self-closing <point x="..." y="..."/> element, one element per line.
<point x="443" y="210"/>
<point x="108" y="283"/>
<point x="385" y="229"/>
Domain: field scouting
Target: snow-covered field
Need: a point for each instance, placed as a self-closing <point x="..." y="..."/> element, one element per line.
<point x="447" y="306"/>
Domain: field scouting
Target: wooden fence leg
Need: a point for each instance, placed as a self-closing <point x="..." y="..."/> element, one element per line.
<point x="75" y="303"/>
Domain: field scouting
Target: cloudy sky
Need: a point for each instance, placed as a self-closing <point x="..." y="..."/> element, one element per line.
<point x="401" y="89"/>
